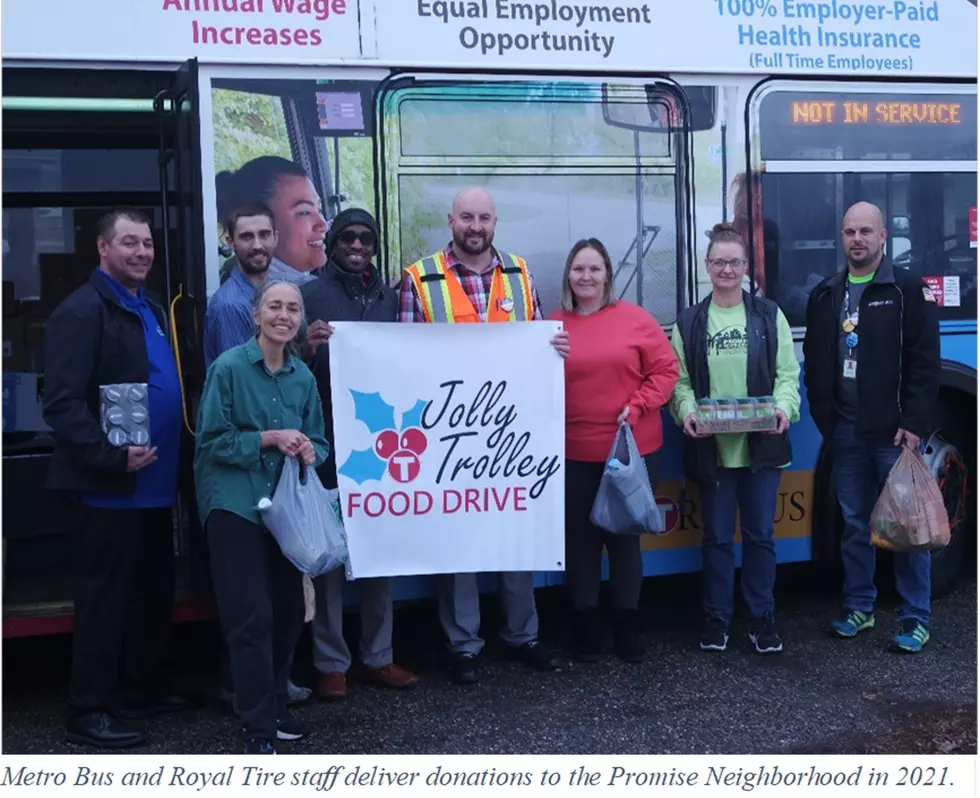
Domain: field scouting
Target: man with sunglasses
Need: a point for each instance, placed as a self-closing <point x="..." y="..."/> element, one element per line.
<point x="348" y="288"/>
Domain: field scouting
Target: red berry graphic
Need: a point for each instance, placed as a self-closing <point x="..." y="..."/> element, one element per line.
<point x="414" y="440"/>
<point x="386" y="444"/>
<point x="404" y="466"/>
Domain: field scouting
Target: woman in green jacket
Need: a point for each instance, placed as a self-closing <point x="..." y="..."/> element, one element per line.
<point x="260" y="405"/>
<point x="735" y="346"/>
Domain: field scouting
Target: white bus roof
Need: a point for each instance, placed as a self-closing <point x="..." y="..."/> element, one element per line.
<point x="899" y="38"/>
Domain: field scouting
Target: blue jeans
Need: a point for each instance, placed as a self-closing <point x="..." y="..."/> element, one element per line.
<point x="754" y="496"/>
<point x="862" y="467"/>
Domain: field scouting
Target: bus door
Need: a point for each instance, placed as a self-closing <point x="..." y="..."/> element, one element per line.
<point x="818" y="148"/>
<point x="565" y="159"/>
<point x="76" y="144"/>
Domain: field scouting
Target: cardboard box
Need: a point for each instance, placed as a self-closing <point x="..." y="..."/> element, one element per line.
<point x="725" y="416"/>
<point x="13" y="345"/>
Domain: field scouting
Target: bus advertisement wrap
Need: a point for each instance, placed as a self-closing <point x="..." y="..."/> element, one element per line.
<point x="896" y="38"/>
<point x="784" y="36"/>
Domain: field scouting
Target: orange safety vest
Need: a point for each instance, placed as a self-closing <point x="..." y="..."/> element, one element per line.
<point x="444" y="300"/>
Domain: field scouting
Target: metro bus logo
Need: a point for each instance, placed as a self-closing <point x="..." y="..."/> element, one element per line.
<point x="402" y="452"/>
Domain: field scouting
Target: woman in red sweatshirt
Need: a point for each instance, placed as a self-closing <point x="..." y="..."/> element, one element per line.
<point x="621" y="369"/>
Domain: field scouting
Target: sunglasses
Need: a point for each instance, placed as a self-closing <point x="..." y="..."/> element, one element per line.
<point x="367" y="238"/>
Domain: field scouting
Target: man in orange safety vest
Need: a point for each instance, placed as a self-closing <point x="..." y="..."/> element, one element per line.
<point x="472" y="282"/>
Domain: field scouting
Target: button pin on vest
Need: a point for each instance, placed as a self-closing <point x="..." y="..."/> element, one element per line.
<point x="506" y="304"/>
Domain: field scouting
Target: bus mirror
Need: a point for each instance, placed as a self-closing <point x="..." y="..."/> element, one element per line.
<point x="659" y="109"/>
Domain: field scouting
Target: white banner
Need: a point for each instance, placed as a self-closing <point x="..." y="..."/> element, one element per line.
<point x="450" y="447"/>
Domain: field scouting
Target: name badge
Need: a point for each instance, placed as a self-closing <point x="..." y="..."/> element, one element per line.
<point x="850" y="368"/>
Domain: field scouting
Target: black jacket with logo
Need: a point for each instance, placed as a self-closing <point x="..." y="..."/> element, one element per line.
<point x="91" y="339"/>
<point x="898" y="366"/>
<point x="337" y="295"/>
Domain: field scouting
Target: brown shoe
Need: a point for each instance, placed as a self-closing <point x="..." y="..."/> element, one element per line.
<point x="331" y="686"/>
<point x="391" y="675"/>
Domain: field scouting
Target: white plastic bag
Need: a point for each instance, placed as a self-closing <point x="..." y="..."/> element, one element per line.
<point x="625" y="503"/>
<point x="304" y="518"/>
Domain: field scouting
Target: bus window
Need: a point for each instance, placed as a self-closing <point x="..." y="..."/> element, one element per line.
<point x="912" y="155"/>
<point x="559" y="171"/>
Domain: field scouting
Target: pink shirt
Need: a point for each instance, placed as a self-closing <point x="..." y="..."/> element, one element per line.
<point x="619" y="356"/>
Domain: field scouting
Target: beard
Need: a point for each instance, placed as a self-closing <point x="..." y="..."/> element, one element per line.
<point x="460" y="241"/>
<point x="256" y="261"/>
<point x="866" y="258"/>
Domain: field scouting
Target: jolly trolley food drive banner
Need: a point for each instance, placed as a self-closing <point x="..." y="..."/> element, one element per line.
<point x="449" y="446"/>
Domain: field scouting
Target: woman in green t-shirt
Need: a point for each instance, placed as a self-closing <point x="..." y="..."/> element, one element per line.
<point x="733" y="346"/>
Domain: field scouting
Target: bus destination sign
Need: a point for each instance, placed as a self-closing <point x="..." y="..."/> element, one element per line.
<point x="890" y="111"/>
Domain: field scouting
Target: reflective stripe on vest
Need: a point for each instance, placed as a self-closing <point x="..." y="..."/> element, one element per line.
<point x="436" y="286"/>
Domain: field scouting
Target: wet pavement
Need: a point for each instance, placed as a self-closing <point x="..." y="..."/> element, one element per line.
<point x="821" y="695"/>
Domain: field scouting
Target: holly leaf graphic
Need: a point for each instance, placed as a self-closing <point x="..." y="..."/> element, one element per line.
<point x="362" y="465"/>
<point x="413" y="417"/>
<point x="374" y="411"/>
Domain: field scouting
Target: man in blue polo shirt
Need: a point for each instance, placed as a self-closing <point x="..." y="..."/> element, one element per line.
<point x="109" y="332"/>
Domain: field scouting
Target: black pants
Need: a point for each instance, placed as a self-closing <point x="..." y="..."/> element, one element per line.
<point x="123" y="608"/>
<point x="260" y="601"/>
<point x="584" y="541"/>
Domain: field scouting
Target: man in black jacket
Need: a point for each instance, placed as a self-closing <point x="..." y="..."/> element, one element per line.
<point x="109" y="332"/>
<point x="348" y="289"/>
<point x="872" y="368"/>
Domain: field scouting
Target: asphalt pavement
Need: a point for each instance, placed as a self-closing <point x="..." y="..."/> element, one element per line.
<point x="820" y="695"/>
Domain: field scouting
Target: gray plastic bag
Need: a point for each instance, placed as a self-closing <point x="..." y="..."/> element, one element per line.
<point x="304" y="518"/>
<point x="625" y="503"/>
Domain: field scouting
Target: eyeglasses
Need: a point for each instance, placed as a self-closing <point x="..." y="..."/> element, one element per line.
<point x="367" y="238"/>
<point x="732" y="263"/>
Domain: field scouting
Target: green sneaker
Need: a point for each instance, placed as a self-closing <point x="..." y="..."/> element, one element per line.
<point x="855" y="622"/>
<point x="911" y="638"/>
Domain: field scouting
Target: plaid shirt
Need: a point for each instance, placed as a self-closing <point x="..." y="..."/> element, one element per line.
<point x="476" y="286"/>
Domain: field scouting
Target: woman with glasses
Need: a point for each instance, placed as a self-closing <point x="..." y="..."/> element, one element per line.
<point x="620" y="369"/>
<point x="732" y="346"/>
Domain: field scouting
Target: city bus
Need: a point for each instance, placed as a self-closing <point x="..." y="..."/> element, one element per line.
<point x="640" y="124"/>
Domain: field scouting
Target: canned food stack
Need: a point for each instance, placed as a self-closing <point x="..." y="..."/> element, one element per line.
<point x="124" y="409"/>
<point x="750" y="414"/>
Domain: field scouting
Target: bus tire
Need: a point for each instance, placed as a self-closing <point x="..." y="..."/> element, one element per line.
<point x="950" y="455"/>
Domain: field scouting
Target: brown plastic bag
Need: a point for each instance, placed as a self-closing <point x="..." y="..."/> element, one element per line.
<point x="910" y="514"/>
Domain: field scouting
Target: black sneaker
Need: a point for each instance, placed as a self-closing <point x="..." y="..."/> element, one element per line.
<point x="715" y="635"/>
<point x="534" y="655"/>
<point x="762" y="633"/>
<point x="291" y="728"/>
<point x="463" y="668"/>
<point x="256" y="745"/>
